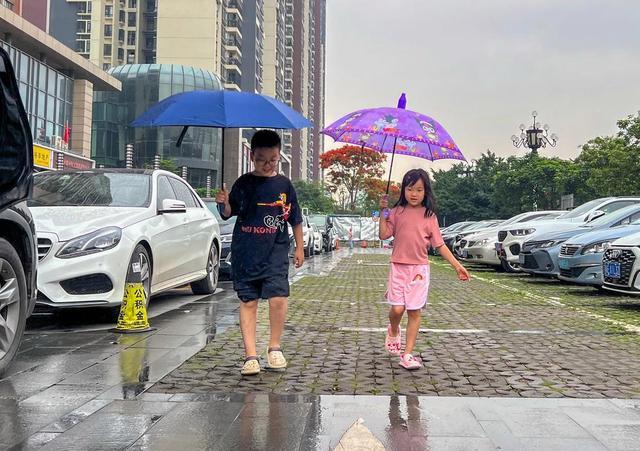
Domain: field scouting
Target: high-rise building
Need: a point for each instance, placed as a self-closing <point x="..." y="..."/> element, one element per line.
<point x="56" y="86"/>
<point x="107" y="32"/>
<point x="232" y="44"/>
<point x="303" y="88"/>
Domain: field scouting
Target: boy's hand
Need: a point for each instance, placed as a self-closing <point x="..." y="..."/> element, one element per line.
<point x="223" y="196"/>
<point x="298" y="257"/>
<point x="384" y="202"/>
<point x="463" y="274"/>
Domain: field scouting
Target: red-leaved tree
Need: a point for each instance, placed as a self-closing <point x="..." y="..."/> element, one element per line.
<point x="348" y="168"/>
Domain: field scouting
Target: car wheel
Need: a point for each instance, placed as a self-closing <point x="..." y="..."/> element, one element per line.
<point x="141" y="256"/>
<point x="13" y="303"/>
<point x="510" y="267"/>
<point x="209" y="284"/>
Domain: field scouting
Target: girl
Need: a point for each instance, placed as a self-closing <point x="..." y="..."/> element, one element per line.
<point x="414" y="226"/>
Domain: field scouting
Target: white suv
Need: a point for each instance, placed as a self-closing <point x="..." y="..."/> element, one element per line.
<point x="621" y="265"/>
<point x="510" y="239"/>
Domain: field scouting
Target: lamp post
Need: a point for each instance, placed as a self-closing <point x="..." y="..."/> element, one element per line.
<point x="534" y="137"/>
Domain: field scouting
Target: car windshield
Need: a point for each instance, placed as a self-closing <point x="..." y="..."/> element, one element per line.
<point x="88" y="189"/>
<point x="613" y="218"/>
<point x="320" y="221"/>
<point x="582" y="209"/>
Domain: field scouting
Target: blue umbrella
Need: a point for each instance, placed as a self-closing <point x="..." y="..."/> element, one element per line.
<point x="221" y="109"/>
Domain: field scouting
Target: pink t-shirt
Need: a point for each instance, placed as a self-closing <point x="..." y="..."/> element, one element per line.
<point x="413" y="234"/>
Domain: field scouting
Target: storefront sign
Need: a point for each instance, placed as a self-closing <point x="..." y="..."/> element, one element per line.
<point x="42" y="157"/>
<point x="75" y="162"/>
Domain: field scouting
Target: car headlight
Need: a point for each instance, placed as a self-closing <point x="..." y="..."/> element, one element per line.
<point x="596" y="248"/>
<point x="550" y="243"/>
<point x="98" y="241"/>
<point x="483" y="242"/>
<point x="227" y="237"/>
<point x="521" y="232"/>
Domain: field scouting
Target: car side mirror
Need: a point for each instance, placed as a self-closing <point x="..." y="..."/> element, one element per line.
<point x="173" y="206"/>
<point x="595" y="215"/>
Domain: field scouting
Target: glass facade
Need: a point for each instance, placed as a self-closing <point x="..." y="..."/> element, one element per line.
<point x="47" y="95"/>
<point x="143" y="85"/>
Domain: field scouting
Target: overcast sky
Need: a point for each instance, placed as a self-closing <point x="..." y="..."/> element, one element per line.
<point x="480" y="67"/>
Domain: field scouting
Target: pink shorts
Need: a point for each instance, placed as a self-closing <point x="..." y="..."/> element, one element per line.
<point x="408" y="285"/>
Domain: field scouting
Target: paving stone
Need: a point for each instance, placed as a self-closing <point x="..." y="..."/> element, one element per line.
<point x="531" y="347"/>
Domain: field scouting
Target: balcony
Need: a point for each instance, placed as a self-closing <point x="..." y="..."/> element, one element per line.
<point x="7" y="4"/>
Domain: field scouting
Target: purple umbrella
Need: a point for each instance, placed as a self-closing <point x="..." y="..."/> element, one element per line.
<point x="395" y="131"/>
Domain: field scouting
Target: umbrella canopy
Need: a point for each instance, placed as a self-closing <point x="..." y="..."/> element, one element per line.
<point x="222" y="109"/>
<point x="396" y="130"/>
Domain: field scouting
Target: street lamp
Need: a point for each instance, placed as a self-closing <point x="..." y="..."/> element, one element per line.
<point x="534" y="137"/>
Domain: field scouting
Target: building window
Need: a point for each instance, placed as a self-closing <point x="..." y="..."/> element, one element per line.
<point x="133" y="4"/>
<point x="151" y="5"/>
<point x="108" y="11"/>
<point x="108" y="31"/>
<point x="121" y="35"/>
<point x="131" y="38"/>
<point x="107" y="50"/>
<point x="131" y="56"/>
<point x="121" y="53"/>
<point x="131" y="19"/>
<point x="122" y="16"/>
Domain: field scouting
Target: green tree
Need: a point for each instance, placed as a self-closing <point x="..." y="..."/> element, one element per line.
<point x="312" y="196"/>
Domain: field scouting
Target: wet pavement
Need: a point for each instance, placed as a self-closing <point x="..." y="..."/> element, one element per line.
<point x="488" y="346"/>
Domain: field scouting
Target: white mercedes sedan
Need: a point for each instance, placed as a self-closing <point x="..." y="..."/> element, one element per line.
<point x="94" y="226"/>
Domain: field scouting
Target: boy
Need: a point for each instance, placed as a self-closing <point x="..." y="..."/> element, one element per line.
<point x="264" y="202"/>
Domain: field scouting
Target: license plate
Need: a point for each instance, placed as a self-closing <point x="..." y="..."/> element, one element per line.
<point x="465" y="254"/>
<point x="563" y="263"/>
<point x="612" y="270"/>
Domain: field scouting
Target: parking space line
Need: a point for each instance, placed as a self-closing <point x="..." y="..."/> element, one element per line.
<point x="555" y="302"/>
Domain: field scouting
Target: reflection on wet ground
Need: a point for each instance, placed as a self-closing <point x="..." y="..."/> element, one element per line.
<point x="77" y="386"/>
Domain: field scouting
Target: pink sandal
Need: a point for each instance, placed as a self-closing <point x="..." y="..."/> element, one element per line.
<point x="393" y="344"/>
<point x="409" y="362"/>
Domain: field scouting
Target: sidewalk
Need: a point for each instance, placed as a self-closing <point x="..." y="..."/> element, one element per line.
<point x="494" y="349"/>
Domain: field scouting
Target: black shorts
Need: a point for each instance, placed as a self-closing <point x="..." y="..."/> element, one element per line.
<point x="271" y="287"/>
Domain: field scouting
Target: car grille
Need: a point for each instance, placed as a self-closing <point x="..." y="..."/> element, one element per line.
<point x="626" y="258"/>
<point x="572" y="273"/>
<point x="567" y="250"/>
<point x="530" y="262"/>
<point x="515" y="249"/>
<point x="502" y="236"/>
<point x="44" y="246"/>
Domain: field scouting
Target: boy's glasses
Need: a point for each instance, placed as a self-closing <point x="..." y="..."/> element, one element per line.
<point x="262" y="162"/>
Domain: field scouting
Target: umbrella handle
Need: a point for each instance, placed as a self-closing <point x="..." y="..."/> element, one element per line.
<point x="181" y="137"/>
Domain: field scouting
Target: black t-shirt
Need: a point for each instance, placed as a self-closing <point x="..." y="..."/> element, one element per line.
<point x="264" y="206"/>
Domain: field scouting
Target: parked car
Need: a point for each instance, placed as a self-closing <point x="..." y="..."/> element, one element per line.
<point x="308" y="236"/>
<point x="540" y="254"/>
<point x="511" y="239"/>
<point x="94" y="225"/>
<point x="455" y="226"/>
<point x="317" y="239"/>
<point x="580" y="258"/>
<point x="621" y="265"/>
<point x="449" y="237"/>
<point x="480" y="247"/>
<point x="329" y="234"/>
<point x="481" y="226"/>
<point x="17" y="233"/>
<point x="226" y="236"/>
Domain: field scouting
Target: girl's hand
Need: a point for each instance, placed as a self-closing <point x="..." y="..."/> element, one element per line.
<point x="384" y="202"/>
<point x="463" y="274"/>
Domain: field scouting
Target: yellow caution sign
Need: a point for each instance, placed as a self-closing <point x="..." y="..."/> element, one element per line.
<point x="133" y="312"/>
